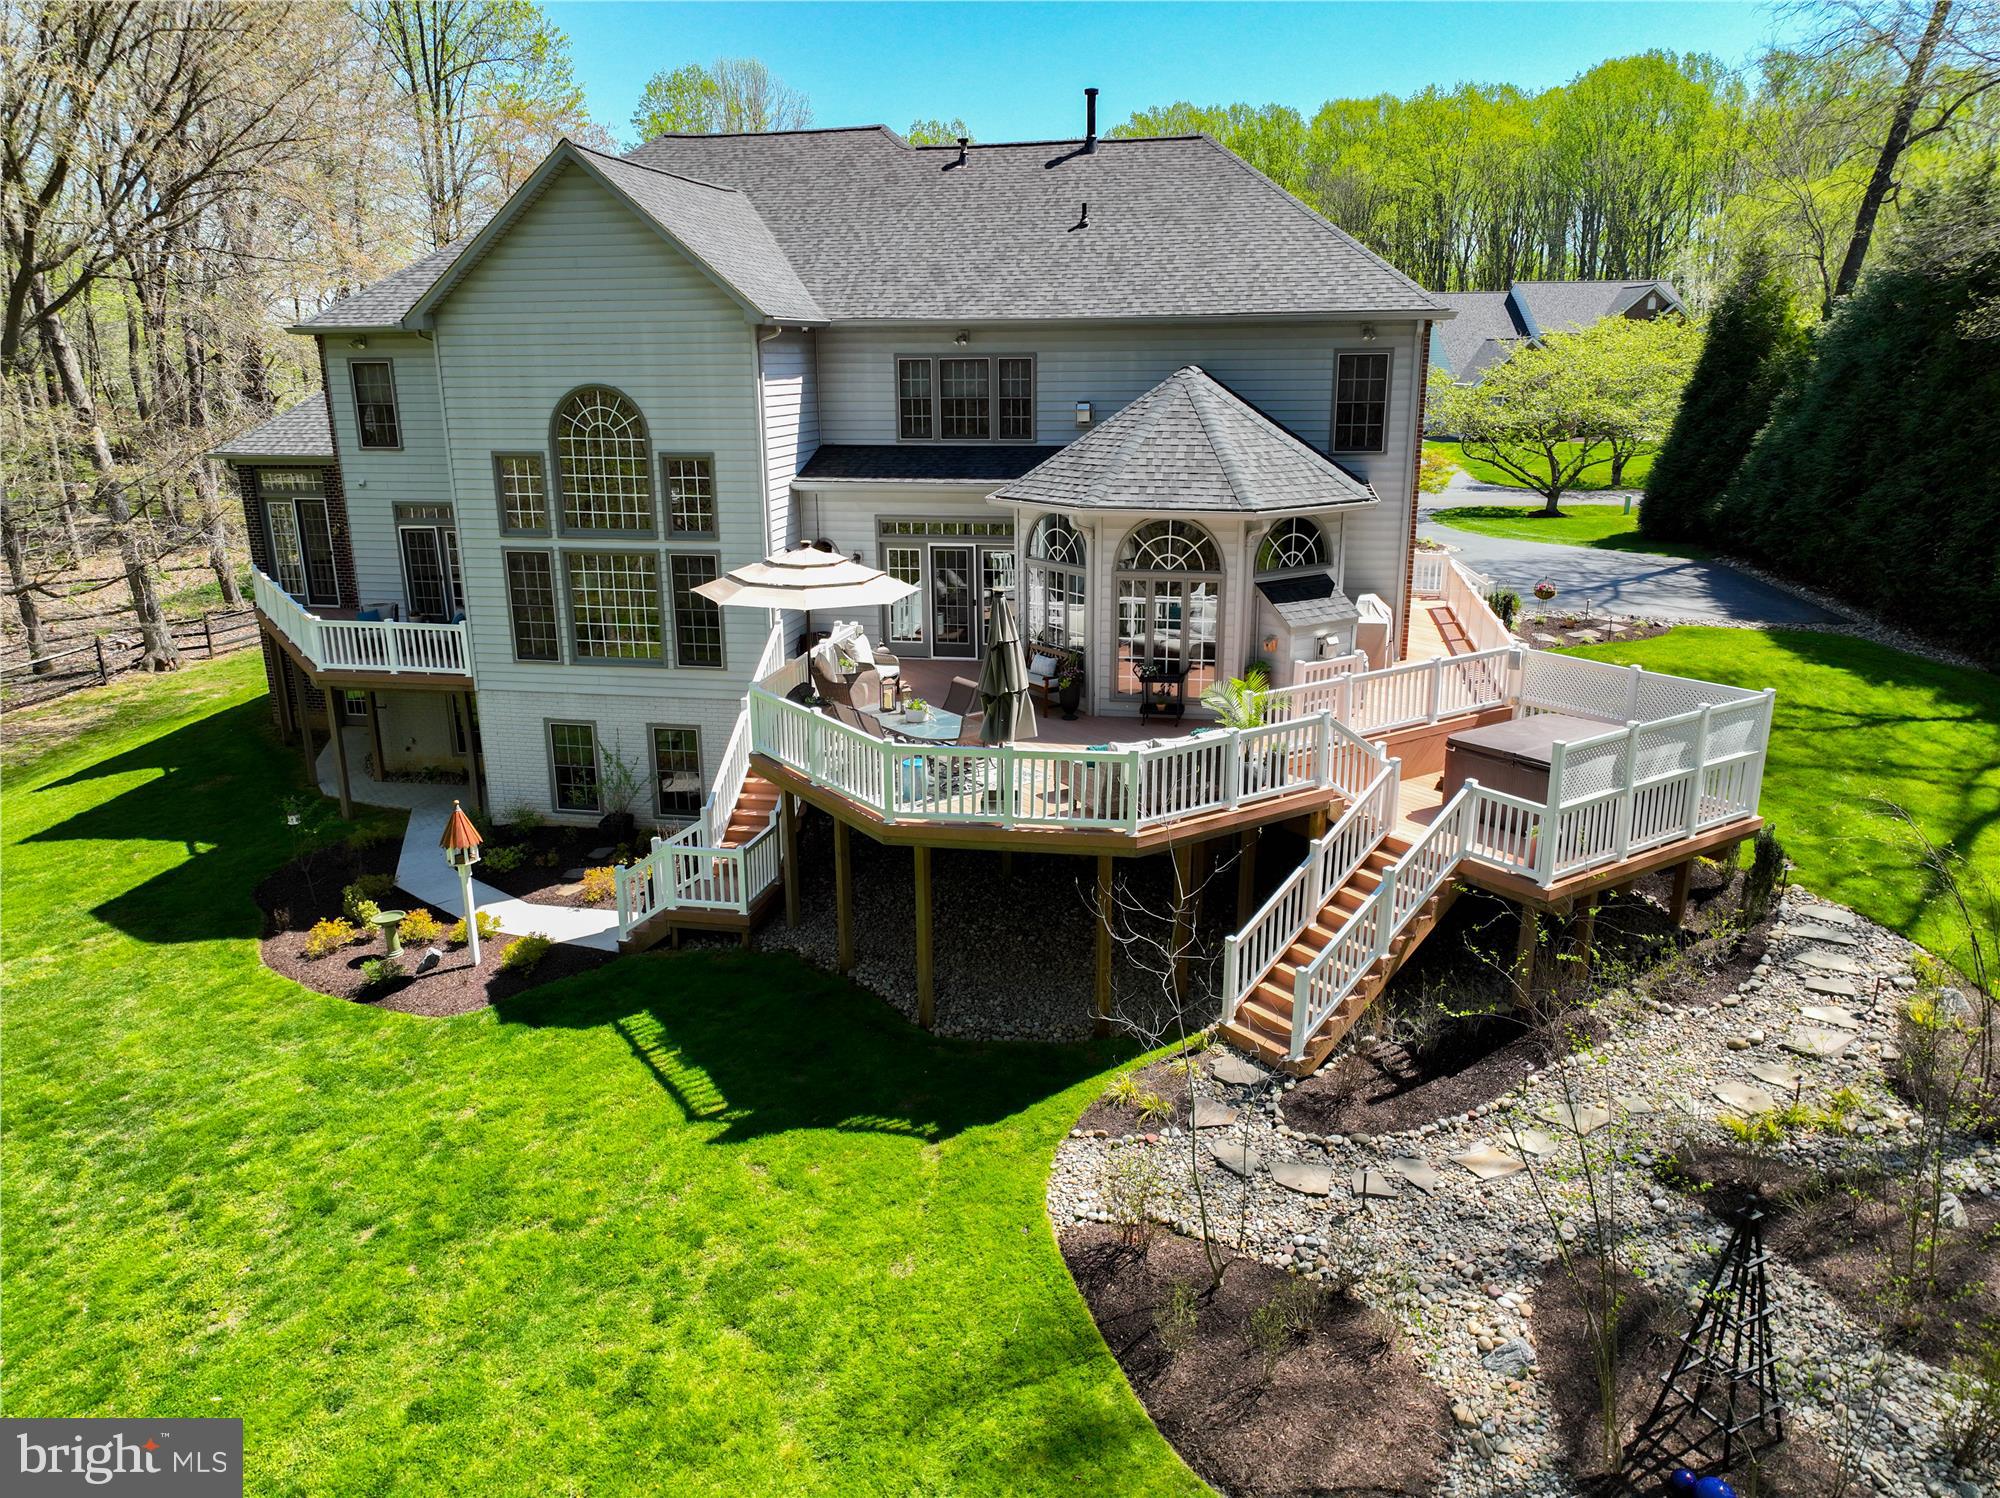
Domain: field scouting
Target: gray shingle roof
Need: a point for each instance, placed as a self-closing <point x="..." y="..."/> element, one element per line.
<point x="300" y="431"/>
<point x="1481" y="334"/>
<point x="1306" y="598"/>
<point x="1565" y="306"/>
<point x="919" y="463"/>
<point x="1188" y="444"/>
<point x="1177" y="227"/>
<point x="383" y="303"/>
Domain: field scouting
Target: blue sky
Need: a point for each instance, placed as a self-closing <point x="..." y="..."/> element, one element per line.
<point x="1017" y="71"/>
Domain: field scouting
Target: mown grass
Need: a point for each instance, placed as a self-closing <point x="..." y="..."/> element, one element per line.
<point x="1860" y="725"/>
<point x="1596" y="475"/>
<point x="1605" y="527"/>
<point x="693" y="1224"/>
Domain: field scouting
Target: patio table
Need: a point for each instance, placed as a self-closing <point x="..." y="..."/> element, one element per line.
<point x="937" y="727"/>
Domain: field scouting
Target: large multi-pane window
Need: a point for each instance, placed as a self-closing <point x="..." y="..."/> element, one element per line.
<point x="524" y="493"/>
<point x="1360" y="402"/>
<point x="1056" y="589"/>
<point x="375" y="403"/>
<point x="697" y="620"/>
<point x="913" y="400"/>
<point x="603" y="468"/>
<point x="1169" y="606"/>
<point x="531" y="603"/>
<point x="614" y="605"/>
<point x="678" y="791"/>
<point x="573" y="766"/>
<point x="690" y="489"/>
<point x="966" y="398"/>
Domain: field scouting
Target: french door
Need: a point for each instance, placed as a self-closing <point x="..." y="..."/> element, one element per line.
<point x="302" y="549"/>
<point x="431" y="580"/>
<point x="952" y="614"/>
<point x="1167" y="623"/>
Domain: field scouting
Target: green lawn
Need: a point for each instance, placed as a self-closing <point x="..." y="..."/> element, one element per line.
<point x="1606" y="527"/>
<point x="696" y="1224"/>
<point x="1857" y="722"/>
<point x="1596" y="476"/>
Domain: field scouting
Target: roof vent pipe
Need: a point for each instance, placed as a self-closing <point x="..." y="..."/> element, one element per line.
<point x="963" y="142"/>
<point x="1090" y="119"/>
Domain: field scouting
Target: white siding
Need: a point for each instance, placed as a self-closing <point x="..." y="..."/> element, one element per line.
<point x="791" y="426"/>
<point x="580" y="292"/>
<point x="377" y="480"/>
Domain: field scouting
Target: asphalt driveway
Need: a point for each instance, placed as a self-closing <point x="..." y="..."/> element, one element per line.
<point x="1619" y="582"/>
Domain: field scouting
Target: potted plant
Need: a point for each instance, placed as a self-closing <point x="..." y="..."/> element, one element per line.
<point x="915" y="710"/>
<point x="1069" y="687"/>
<point x="1545" y="590"/>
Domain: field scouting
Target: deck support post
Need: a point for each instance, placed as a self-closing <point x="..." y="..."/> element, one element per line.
<point x="1524" y="952"/>
<point x="926" y="976"/>
<point x="788" y="852"/>
<point x="1103" y="966"/>
<point x="1246" y="876"/>
<point x="1677" y="903"/>
<point x="375" y="731"/>
<point x="1006" y="863"/>
<point x="300" y="707"/>
<point x="1183" y="914"/>
<point x="463" y="704"/>
<point x="843" y="898"/>
<point x="1316" y="825"/>
<point x="287" y="725"/>
<point x="1583" y="928"/>
<point x="337" y="732"/>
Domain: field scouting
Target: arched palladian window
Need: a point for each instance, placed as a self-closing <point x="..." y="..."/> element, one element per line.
<point x="1292" y="544"/>
<point x="1169" y="602"/>
<point x="603" y="468"/>
<point x="1057" y="595"/>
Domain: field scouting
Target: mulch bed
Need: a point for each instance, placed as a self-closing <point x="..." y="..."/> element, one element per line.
<point x="1650" y="1329"/>
<point x="1346" y="1409"/>
<point x="1167" y="1079"/>
<point x="553" y="854"/>
<point x="1840" y="1230"/>
<point x="294" y="897"/>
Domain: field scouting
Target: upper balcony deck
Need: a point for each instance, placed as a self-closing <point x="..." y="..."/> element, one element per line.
<point x="346" y="651"/>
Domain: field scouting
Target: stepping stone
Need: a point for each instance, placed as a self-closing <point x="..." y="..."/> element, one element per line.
<point x="1233" y="1071"/>
<point x="1833" y="936"/>
<point x="1822" y="1043"/>
<point x="1830" y="1014"/>
<point x="572" y="875"/>
<point x="1578" y="1118"/>
<point x="1237" y="1157"/>
<point x="1634" y="1103"/>
<point x="1307" y="1180"/>
<point x="1489" y="1164"/>
<point x="597" y="853"/>
<point x="1830" y="962"/>
<point x="1833" y="988"/>
<point x="1829" y="915"/>
<point x="1533" y="1142"/>
<point x="1418" y="1172"/>
<point x="1744" y="1098"/>
<point x="1777" y="1075"/>
<point x="1372" y="1184"/>
<point x="1209" y="1115"/>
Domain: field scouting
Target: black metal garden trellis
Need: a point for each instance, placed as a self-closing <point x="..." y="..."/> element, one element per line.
<point x="1720" y="1402"/>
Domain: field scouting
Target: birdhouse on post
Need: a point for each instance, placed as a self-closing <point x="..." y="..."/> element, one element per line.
<point x="461" y="850"/>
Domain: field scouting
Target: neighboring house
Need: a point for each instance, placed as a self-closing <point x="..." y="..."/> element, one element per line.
<point x="1169" y="408"/>
<point x="1489" y="324"/>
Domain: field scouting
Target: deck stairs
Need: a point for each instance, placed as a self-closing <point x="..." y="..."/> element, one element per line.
<point x="1263" y="1023"/>
<point x="755" y="806"/>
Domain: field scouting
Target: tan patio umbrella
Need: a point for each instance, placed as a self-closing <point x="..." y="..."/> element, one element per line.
<point x="805" y="578"/>
<point x="1003" y="681"/>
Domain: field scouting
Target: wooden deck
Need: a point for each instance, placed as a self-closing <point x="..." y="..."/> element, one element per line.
<point x="931" y="680"/>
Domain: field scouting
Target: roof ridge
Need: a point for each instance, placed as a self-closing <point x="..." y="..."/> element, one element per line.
<point x="743" y="134"/>
<point x="1202" y="391"/>
<point x="647" y="166"/>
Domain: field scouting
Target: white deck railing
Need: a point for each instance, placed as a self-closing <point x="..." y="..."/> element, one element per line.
<point x="383" y="645"/>
<point x="1410" y="695"/>
<point x="684" y="873"/>
<point x="1465" y="592"/>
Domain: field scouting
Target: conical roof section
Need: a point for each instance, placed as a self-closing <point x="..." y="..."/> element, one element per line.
<point x="1189" y="444"/>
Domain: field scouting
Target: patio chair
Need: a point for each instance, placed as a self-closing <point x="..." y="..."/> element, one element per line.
<point x="866" y="688"/>
<point x="830" y="688"/>
<point x="961" y="696"/>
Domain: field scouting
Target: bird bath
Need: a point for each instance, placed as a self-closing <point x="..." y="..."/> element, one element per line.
<point x="389" y="921"/>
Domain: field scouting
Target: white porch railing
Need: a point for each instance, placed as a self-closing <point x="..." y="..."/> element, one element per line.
<point x="1409" y="695"/>
<point x="1465" y="591"/>
<point x="384" y="645"/>
<point x="683" y="873"/>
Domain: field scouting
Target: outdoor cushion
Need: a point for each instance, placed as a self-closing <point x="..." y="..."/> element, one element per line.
<point x="367" y="616"/>
<point x="1042" y="665"/>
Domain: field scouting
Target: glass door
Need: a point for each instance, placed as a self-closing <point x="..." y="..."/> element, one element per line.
<point x="996" y="571"/>
<point x="430" y="572"/>
<point x="951" y="602"/>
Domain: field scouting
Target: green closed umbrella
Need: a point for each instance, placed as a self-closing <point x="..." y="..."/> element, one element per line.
<point x="1003" y="681"/>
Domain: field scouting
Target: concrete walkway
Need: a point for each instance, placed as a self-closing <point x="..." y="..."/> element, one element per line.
<point x="422" y="873"/>
<point x="1640" y="583"/>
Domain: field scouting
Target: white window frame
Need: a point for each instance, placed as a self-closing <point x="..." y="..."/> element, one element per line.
<point x="993" y="362"/>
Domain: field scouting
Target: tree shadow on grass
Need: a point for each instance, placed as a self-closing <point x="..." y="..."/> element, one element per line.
<point x="759" y="1043"/>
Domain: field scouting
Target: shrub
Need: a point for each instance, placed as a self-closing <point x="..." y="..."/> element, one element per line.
<point x="600" y="884"/>
<point x="524" y="953"/>
<point x="1153" y="1108"/>
<point x="506" y="859"/>
<point x="1129" y="1185"/>
<point x="329" y="936"/>
<point x="1972" y="1429"/>
<point x="1270" y="1334"/>
<point x="1506" y="603"/>
<point x="1175" y="1322"/>
<point x="1123" y="1091"/>
<point x="1766" y="877"/>
<point x="377" y="971"/>
<point x="548" y="859"/>
<point x="362" y="900"/>
<point x="521" y="819"/>
<point x="489" y="927"/>
<point x="420" y="926"/>
<point x="371" y="835"/>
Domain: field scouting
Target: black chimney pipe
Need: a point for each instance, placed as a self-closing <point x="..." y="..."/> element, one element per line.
<point x="1090" y="119"/>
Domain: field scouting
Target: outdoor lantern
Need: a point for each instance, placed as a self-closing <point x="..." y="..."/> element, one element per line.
<point x="1083" y="413"/>
<point x="461" y="850"/>
<point x="889" y="684"/>
<point x="1270" y="644"/>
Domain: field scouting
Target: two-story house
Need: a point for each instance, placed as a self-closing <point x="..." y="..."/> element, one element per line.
<point x="1131" y="385"/>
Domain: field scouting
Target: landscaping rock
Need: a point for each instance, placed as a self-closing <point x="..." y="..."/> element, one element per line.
<point x="1307" y="1180"/>
<point x="1209" y="1115"/>
<point x="1510" y="1359"/>
<point x="1741" y="1097"/>
<point x="1821" y="1043"/>
<point x="1239" y="1158"/>
<point x="1418" y="1172"/>
<point x="1839" y="988"/>
<point x="1489" y="1163"/>
<point x="1830" y="962"/>
<point x="1373" y="1185"/>
<point x="1232" y="1070"/>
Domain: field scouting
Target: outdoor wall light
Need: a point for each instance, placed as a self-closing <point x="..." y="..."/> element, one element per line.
<point x="962" y="338"/>
<point x="1368" y="332"/>
<point x="357" y="343"/>
<point x="1270" y="644"/>
<point x="1083" y="413"/>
